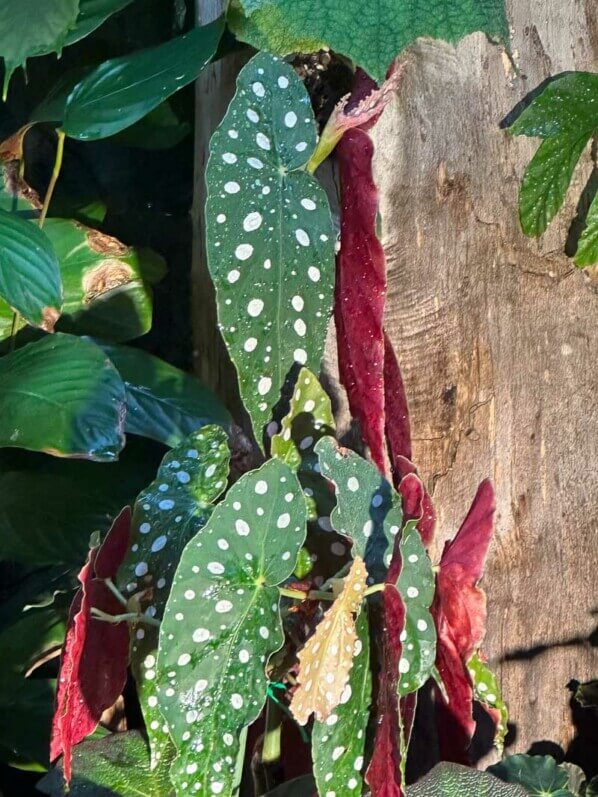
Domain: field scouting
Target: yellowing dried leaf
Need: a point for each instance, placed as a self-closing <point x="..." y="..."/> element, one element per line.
<point x="326" y="660"/>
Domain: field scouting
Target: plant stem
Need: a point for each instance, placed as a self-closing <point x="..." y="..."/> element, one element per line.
<point x="54" y="178"/>
<point x="272" y="735"/>
<point x="130" y="617"/>
<point x="312" y="595"/>
<point x="374" y="588"/>
<point x="115" y="591"/>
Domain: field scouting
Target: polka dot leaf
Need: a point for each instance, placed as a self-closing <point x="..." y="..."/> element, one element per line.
<point x="309" y="419"/>
<point x="166" y="515"/>
<point x="270" y="234"/>
<point x="416" y="586"/>
<point x="363" y="501"/>
<point x="338" y="744"/>
<point x="326" y="659"/>
<point x="487" y="692"/>
<point x="222" y="622"/>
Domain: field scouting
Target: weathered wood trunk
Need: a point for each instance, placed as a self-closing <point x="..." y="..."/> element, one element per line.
<point x="496" y="336"/>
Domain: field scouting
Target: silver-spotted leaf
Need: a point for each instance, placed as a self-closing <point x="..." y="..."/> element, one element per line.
<point x="308" y="420"/>
<point x="363" y="500"/>
<point x="486" y="690"/>
<point x="338" y="744"/>
<point x="166" y="515"/>
<point x="416" y="585"/>
<point x="222" y="622"/>
<point x="270" y="233"/>
<point x="454" y="780"/>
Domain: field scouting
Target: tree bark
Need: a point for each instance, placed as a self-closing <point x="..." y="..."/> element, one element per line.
<point x="496" y="335"/>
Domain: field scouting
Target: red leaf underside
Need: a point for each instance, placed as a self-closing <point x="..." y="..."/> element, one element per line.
<point x="93" y="668"/>
<point x="459" y="612"/>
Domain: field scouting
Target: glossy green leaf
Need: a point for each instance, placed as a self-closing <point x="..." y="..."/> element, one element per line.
<point x="222" y="622"/>
<point x="63" y="396"/>
<point x="373" y="34"/>
<point x="29" y="274"/>
<point x="164" y="403"/>
<point x="115" y="765"/>
<point x="166" y="515"/>
<point x="454" y="780"/>
<point x="416" y="585"/>
<point x="546" y="181"/>
<point x="107" y="285"/>
<point x="587" y="248"/>
<point x="121" y="91"/>
<point x="486" y="691"/>
<point x="29" y="28"/>
<point x="338" y="745"/>
<point x="73" y="498"/>
<point x="270" y="234"/>
<point x="92" y="14"/>
<point x="160" y="129"/>
<point x="364" y="499"/>
<point x="565" y="115"/>
<point x="539" y="775"/>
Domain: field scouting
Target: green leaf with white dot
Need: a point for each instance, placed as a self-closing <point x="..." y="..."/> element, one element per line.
<point x="338" y="745"/>
<point x="270" y="233"/>
<point x="364" y="500"/>
<point x="166" y="515"/>
<point x="308" y="420"/>
<point x="416" y="585"/>
<point x="487" y="691"/>
<point x="222" y="622"/>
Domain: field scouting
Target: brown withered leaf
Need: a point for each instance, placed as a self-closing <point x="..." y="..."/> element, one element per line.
<point x="327" y="657"/>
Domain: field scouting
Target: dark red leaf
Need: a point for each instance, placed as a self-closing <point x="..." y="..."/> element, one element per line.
<point x="398" y="427"/>
<point x="115" y="546"/>
<point x="383" y="774"/>
<point x="459" y="611"/>
<point x="93" y="667"/>
<point x="361" y="293"/>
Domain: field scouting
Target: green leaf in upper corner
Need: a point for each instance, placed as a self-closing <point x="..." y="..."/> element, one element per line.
<point x="486" y="691"/>
<point x="546" y="181"/>
<point x="166" y="515"/>
<point x="416" y="585"/>
<point x="115" y="766"/>
<point x="164" y="403"/>
<point x="565" y="115"/>
<point x="92" y="14"/>
<point x="539" y="775"/>
<point x="29" y="274"/>
<point x="587" y="248"/>
<point x="370" y="34"/>
<point x="338" y="745"/>
<point x="567" y="105"/>
<point x="121" y="91"/>
<point x="63" y="396"/>
<point x="454" y="780"/>
<point x="29" y="28"/>
<point x="270" y="234"/>
<point x="222" y="622"/>
<point x="107" y="285"/>
<point x="72" y="500"/>
<point x="364" y="500"/>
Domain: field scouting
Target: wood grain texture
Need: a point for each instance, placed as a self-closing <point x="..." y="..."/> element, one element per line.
<point x="496" y="335"/>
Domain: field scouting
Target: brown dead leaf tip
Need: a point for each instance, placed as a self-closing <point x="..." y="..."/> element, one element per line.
<point x="108" y="274"/>
<point x="326" y="659"/>
<point x="104" y="244"/>
<point x="50" y="316"/>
